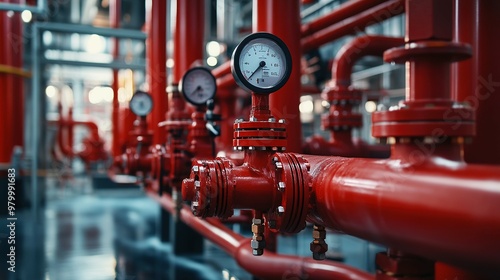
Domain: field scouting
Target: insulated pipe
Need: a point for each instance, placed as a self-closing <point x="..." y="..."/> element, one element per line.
<point x="284" y="103"/>
<point x="157" y="72"/>
<point x="353" y="24"/>
<point x="267" y="266"/>
<point x="433" y="207"/>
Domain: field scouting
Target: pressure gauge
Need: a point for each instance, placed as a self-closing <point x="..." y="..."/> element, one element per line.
<point x="141" y="104"/>
<point x="261" y="63"/>
<point x="198" y="85"/>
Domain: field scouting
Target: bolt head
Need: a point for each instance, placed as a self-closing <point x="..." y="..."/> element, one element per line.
<point x="281" y="186"/>
<point x="195" y="169"/>
<point x="281" y="210"/>
<point x="281" y="121"/>
<point x="278" y="165"/>
<point x="272" y="120"/>
<point x="197" y="184"/>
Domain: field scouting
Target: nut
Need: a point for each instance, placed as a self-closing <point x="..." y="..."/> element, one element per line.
<point x="258" y="244"/>
<point x="257" y="228"/>
<point x="281" y="210"/>
<point x="281" y="186"/>
<point x="278" y="165"/>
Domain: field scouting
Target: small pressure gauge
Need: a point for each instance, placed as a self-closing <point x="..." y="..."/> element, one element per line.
<point x="198" y="85"/>
<point x="141" y="104"/>
<point x="261" y="63"/>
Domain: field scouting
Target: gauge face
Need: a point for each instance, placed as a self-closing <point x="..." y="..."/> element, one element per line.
<point x="261" y="63"/>
<point x="141" y="103"/>
<point x="198" y="85"/>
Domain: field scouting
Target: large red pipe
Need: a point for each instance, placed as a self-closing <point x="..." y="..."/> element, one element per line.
<point x="430" y="206"/>
<point x="284" y="104"/>
<point x="478" y="80"/>
<point x="10" y="56"/>
<point x="349" y="9"/>
<point x="268" y="266"/>
<point x="157" y="72"/>
<point x="353" y="24"/>
<point x="188" y="36"/>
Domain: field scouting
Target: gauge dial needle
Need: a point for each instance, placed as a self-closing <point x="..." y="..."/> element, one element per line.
<point x="261" y="64"/>
<point x="198" y="88"/>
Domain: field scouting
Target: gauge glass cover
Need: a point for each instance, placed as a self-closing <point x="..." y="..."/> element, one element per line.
<point x="141" y="104"/>
<point x="261" y="63"/>
<point x="198" y="85"/>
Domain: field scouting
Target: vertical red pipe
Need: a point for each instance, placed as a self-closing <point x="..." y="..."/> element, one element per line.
<point x="115" y="16"/>
<point x="282" y="18"/>
<point x="478" y="80"/>
<point x="157" y="72"/>
<point x="12" y="100"/>
<point x="188" y="36"/>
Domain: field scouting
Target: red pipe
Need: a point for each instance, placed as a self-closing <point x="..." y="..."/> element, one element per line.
<point x="267" y="266"/>
<point x="115" y="17"/>
<point x="188" y="37"/>
<point x="222" y="70"/>
<point x="339" y="92"/>
<point x="430" y="206"/>
<point x="478" y="79"/>
<point x="157" y="72"/>
<point x="359" y="47"/>
<point x="346" y="10"/>
<point x="353" y="24"/>
<point x="9" y="52"/>
<point x="284" y="104"/>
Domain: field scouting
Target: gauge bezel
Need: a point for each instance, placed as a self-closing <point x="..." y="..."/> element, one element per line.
<point x="138" y="93"/>
<point x="238" y="74"/>
<point x="186" y="95"/>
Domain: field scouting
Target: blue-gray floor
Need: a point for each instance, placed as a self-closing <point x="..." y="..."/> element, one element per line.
<point x="110" y="233"/>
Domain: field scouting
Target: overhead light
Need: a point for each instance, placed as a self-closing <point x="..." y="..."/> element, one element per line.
<point x="51" y="91"/>
<point x="26" y="16"/>
<point x="95" y="44"/>
<point x="211" y="61"/>
<point x="213" y="48"/>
